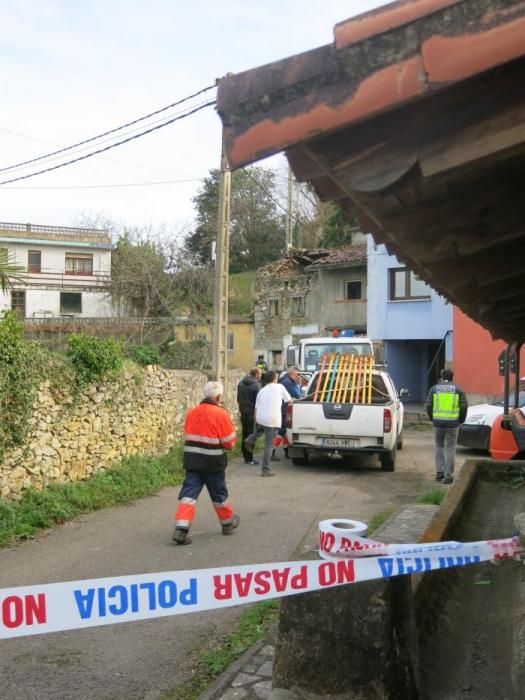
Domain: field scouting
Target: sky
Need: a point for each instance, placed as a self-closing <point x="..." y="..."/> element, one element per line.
<point x="71" y="69"/>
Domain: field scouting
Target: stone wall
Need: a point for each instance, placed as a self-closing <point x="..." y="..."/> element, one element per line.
<point x="72" y="438"/>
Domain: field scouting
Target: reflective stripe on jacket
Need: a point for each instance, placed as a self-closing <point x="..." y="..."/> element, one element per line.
<point x="446" y="405"/>
<point x="208" y="432"/>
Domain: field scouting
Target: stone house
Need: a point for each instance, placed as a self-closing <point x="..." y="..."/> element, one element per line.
<point x="308" y="293"/>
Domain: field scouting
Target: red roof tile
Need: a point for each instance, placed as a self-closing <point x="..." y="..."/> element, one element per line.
<point x="348" y="255"/>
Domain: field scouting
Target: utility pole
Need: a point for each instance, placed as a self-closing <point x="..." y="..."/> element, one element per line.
<point x="222" y="265"/>
<point x="289" y="217"/>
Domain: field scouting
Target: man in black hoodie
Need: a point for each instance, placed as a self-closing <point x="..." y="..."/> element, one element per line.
<point x="247" y="391"/>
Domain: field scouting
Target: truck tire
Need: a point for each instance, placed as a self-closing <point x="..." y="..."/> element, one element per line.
<point x="388" y="460"/>
<point x="300" y="461"/>
<point x="400" y="441"/>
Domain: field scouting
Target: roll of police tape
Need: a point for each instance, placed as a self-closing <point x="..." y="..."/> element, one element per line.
<point x="55" y="607"/>
<point x="339" y="535"/>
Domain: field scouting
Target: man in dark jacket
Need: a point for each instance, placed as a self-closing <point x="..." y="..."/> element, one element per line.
<point x="447" y="409"/>
<point x="290" y="381"/>
<point x="247" y="391"/>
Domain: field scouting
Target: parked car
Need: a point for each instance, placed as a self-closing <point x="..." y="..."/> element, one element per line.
<point x="475" y="431"/>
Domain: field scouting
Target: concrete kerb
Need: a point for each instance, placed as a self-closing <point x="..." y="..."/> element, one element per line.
<point x="224" y="681"/>
<point x="450" y="509"/>
<point x="441" y="522"/>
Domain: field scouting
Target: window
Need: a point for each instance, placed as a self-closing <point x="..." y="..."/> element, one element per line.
<point x="230" y="342"/>
<point x="34" y="261"/>
<point x="404" y="284"/>
<point x="70" y="303"/>
<point x="77" y="264"/>
<point x="274" y="307"/>
<point x="18" y="302"/>
<point x="276" y="358"/>
<point x="353" y="290"/>
<point x="298" y="306"/>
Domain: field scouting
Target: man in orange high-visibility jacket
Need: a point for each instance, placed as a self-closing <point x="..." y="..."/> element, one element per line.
<point x="209" y="432"/>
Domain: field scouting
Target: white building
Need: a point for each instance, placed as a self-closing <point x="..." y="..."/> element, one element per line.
<point x="66" y="271"/>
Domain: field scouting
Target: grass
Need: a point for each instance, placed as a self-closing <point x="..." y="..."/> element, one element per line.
<point x="130" y="480"/>
<point x="240" y="302"/>
<point x="434" y="497"/>
<point x="378" y="519"/>
<point x="250" y="628"/>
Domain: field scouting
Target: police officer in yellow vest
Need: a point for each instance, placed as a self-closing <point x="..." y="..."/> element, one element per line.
<point x="447" y="408"/>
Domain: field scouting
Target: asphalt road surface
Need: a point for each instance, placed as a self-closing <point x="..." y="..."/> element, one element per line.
<point x="144" y="659"/>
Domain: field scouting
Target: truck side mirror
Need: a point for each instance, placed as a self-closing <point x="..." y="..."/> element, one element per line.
<point x="291" y="356"/>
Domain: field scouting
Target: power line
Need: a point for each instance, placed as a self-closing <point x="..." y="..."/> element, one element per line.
<point x="113" y="145"/>
<point x="110" y="131"/>
<point x="135" y="130"/>
<point x="268" y="194"/>
<point x="110" y="160"/>
<point x="108" y="186"/>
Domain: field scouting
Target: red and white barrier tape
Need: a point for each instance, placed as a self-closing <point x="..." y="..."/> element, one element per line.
<point x="53" y="607"/>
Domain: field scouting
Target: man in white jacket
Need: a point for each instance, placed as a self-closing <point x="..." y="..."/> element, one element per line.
<point x="268" y="415"/>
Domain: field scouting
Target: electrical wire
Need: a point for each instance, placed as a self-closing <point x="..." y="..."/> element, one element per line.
<point x="110" y="160"/>
<point x="110" y="146"/>
<point x="110" y="131"/>
<point x="268" y="194"/>
<point x="84" y="149"/>
<point x="108" y="186"/>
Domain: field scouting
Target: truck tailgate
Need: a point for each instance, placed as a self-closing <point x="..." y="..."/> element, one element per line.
<point x="315" y="422"/>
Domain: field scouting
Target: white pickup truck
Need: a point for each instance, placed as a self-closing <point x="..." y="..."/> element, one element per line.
<point x="343" y="429"/>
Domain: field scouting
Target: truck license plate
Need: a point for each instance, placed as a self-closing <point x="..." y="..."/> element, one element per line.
<point x="338" y="442"/>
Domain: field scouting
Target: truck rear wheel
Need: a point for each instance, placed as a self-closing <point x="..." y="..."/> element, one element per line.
<point x="388" y="460"/>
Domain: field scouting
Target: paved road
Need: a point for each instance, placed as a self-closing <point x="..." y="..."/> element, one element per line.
<point x="143" y="659"/>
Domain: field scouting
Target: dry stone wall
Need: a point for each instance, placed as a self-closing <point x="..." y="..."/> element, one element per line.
<point x="72" y="438"/>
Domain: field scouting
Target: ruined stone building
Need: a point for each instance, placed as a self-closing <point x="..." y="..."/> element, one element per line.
<point x="309" y="292"/>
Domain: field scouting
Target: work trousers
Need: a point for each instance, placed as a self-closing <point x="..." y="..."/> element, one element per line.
<point x="248" y="426"/>
<point x="269" y="436"/>
<point x="193" y="484"/>
<point x="445" y="442"/>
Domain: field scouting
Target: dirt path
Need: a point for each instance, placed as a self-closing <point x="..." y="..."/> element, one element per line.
<point x="143" y="659"/>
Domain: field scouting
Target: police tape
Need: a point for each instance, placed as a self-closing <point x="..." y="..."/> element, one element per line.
<point x="341" y="538"/>
<point x="55" y="607"/>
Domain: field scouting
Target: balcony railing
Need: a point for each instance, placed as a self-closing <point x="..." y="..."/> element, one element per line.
<point x="60" y="278"/>
<point x="88" y="235"/>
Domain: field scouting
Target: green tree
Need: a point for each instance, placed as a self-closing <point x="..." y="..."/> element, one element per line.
<point x="10" y="272"/>
<point x="337" y="228"/>
<point x="257" y="230"/>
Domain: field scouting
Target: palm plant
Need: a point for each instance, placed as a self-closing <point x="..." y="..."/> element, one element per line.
<point x="10" y="272"/>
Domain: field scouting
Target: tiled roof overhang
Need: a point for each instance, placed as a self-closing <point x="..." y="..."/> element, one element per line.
<point x="414" y="118"/>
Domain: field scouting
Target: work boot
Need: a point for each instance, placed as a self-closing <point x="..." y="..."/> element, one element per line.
<point x="230" y="527"/>
<point x="181" y="536"/>
<point x="448" y="479"/>
<point x="440" y="476"/>
<point x="268" y="473"/>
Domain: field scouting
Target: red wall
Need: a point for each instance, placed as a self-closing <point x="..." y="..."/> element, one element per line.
<point x="476" y="357"/>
